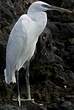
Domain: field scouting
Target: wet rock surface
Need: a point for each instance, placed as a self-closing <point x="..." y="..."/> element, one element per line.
<point x="25" y="106"/>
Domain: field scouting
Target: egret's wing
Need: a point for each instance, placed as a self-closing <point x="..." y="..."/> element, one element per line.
<point x="15" y="50"/>
<point x="19" y="46"/>
<point x="13" y="57"/>
<point x="15" y="47"/>
<point x="18" y="39"/>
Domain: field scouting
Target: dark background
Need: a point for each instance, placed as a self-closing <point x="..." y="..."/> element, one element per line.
<point x="52" y="66"/>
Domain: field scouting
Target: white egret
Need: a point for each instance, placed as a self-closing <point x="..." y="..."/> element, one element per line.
<point x="22" y="41"/>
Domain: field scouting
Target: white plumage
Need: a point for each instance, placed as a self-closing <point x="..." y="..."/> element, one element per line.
<point x="22" y="42"/>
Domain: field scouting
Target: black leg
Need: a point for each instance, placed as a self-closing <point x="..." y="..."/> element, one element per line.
<point x="19" y="99"/>
<point x="27" y="81"/>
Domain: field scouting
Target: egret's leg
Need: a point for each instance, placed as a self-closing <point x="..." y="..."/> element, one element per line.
<point x="19" y="99"/>
<point x="27" y="81"/>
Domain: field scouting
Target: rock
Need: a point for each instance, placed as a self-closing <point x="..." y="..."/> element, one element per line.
<point x="26" y="106"/>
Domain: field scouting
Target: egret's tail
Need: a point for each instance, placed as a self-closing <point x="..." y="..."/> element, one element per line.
<point x="9" y="77"/>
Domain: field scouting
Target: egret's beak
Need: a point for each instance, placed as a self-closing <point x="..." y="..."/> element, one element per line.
<point x="51" y="7"/>
<point x="59" y="9"/>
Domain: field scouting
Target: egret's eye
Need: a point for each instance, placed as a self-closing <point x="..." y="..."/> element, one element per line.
<point x="45" y="6"/>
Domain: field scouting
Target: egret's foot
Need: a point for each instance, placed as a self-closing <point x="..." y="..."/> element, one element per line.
<point x="28" y="100"/>
<point x="19" y="103"/>
<point x="25" y="100"/>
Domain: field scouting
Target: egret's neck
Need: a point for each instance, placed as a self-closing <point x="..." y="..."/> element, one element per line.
<point x="40" y="18"/>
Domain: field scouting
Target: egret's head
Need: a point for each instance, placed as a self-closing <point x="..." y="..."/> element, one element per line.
<point x="40" y="6"/>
